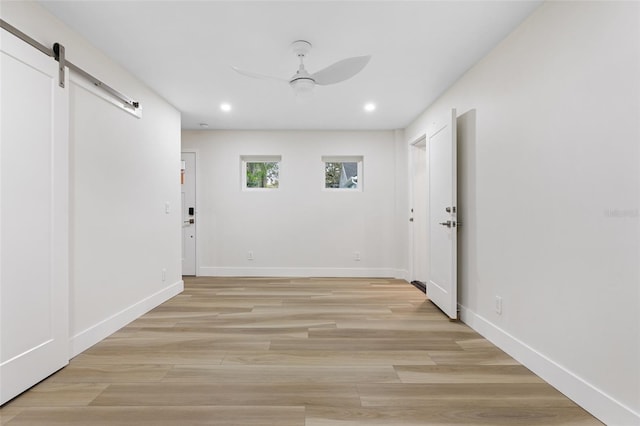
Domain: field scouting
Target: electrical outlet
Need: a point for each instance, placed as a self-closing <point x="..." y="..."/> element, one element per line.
<point x="498" y="305"/>
<point x="164" y="274"/>
<point x="249" y="255"/>
<point x="356" y="256"/>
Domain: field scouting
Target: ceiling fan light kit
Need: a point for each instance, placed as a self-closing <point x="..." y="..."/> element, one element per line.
<point x="303" y="83"/>
<point x="302" y="86"/>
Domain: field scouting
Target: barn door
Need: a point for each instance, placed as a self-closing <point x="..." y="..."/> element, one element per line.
<point x="34" y="296"/>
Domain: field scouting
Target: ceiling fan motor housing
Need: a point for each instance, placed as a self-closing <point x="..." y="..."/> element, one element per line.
<point x="301" y="81"/>
<point x="301" y="47"/>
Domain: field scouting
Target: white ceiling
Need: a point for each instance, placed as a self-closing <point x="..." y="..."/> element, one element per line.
<point x="184" y="50"/>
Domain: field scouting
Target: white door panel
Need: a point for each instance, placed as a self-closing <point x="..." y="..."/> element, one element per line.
<point x="34" y="292"/>
<point x="188" y="220"/>
<point x="442" y="282"/>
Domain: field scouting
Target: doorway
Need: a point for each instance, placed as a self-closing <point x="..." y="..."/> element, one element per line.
<point x="418" y="220"/>
<point x="188" y="206"/>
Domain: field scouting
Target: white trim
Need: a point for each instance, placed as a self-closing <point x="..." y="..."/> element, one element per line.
<point x="401" y="274"/>
<point x="598" y="403"/>
<point x="214" y="271"/>
<point x="198" y="216"/>
<point x="94" y="334"/>
<point x="80" y="81"/>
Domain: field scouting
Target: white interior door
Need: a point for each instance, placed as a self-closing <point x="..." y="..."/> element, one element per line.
<point x="188" y="181"/>
<point x="34" y="268"/>
<point x="419" y="211"/>
<point x="442" y="281"/>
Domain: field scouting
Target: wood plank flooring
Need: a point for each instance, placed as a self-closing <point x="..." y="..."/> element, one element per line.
<point x="280" y="352"/>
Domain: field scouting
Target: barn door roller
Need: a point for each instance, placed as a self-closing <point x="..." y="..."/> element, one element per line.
<point x="58" y="53"/>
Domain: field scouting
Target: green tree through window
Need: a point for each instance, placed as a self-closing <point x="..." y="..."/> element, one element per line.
<point x="332" y="174"/>
<point x="341" y="174"/>
<point x="263" y="174"/>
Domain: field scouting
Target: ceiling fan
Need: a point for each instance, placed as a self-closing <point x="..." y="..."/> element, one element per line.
<point x="303" y="83"/>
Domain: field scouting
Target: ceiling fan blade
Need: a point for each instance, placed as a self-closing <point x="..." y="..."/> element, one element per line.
<point x="256" y="75"/>
<point x="341" y="70"/>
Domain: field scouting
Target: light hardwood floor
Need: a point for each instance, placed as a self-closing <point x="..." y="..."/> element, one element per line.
<point x="280" y="352"/>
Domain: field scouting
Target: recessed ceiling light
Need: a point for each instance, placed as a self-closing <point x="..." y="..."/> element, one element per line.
<point x="370" y="107"/>
<point x="225" y="107"/>
<point x="204" y="125"/>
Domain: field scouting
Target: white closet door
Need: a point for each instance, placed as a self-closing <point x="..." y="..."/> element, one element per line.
<point x="34" y="271"/>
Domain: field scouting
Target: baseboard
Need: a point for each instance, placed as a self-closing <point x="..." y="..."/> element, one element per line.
<point x="212" y="271"/>
<point x="401" y="274"/>
<point x="592" y="399"/>
<point x="94" y="334"/>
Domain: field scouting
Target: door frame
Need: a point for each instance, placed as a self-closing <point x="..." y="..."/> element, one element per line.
<point x="197" y="215"/>
<point x="413" y="145"/>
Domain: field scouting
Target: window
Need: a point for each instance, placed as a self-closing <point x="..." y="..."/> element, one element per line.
<point x="260" y="172"/>
<point x="342" y="173"/>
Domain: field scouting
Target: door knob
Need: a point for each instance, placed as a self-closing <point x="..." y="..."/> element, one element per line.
<point x="447" y="224"/>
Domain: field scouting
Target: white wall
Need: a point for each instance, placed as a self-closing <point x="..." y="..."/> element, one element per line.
<point x="549" y="196"/>
<point x="123" y="170"/>
<point x="299" y="229"/>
